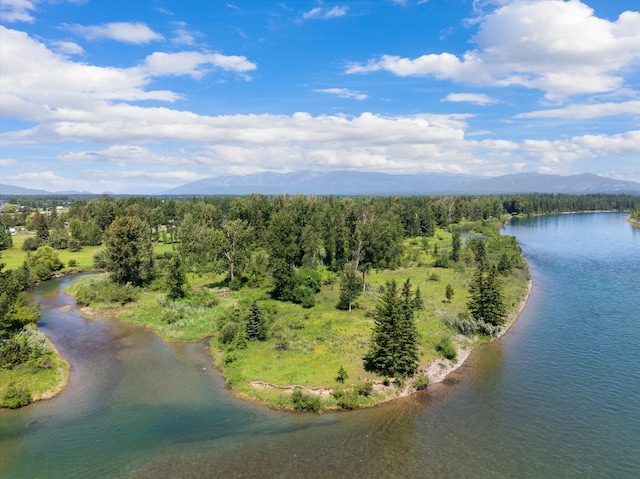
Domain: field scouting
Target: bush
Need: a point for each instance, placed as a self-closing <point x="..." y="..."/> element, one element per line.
<point x="446" y="347"/>
<point x="305" y="402"/>
<point x="303" y="295"/>
<point x="434" y="277"/>
<point x="204" y="297"/>
<point x="72" y="263"/>
<point x="365" y="389"/>
<point x="32" y="243"/>
<point x="15" y="398"/>
<point x="27" y="346"/>
<point x="345" y="398"/>
<point x="421" y="382"/>
<point x="229" y="332"/>
<point x="100" y="259"/>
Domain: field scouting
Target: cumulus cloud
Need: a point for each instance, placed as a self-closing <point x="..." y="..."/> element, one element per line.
<point x="476" y="98"/>
<point x="40" y="85"/>
<point x="135" y="33"/>
<point x="344" y="93"/>
<point x="194" y="64"/>
<point x="558" y="47"/>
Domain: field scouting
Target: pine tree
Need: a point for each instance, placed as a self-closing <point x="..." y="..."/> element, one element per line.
<point x="487" y="304"/>
<point x="394" y="345"/>
<point x="175" y="279"/>
<point x="256" y="324"/>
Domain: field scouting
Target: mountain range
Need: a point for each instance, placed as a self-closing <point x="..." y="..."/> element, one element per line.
<point x="347" y="182"/>
<point x="353" y="183"/>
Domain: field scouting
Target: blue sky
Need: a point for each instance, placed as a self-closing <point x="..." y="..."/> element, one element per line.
<point x="140" y="96"/>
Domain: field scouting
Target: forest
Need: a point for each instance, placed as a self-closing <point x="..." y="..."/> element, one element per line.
<point x="348" y="297"/>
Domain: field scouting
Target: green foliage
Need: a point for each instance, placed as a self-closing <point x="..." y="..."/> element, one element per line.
<point x="305" y="402"/>
<point x="103" y="290"/>
<point x="394" y="346"/>
<point x="6" y="241"/>
<point x="229" y="332"/>
<point x="456" y="244"/>
<point x="446" y="348"/>
<point x="342" y="375"/>
<point x="350" y="287"/>
<point x="28" y="346"/>
<point x="304" y="296"/>
<point x="44" y="262"/>
<point x="204" y="298"/>
<point x="256" y="324"/>
<point x="32" y="243"/>
<point x="14" y="397"/>
<point x="175" y="278"/>
<point x="449" y="293"/>
<point x="486" y="303"/>
<point x="129" y="250"/>
<point x="421" y="382"/>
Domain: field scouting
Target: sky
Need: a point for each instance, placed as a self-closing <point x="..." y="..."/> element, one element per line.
<point x="140" y="96"/>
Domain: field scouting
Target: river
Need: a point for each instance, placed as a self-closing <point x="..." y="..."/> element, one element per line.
<point x="557" y="396"/>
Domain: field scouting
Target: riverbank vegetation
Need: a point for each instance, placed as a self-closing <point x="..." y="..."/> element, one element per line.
<point x="298" y="295"/>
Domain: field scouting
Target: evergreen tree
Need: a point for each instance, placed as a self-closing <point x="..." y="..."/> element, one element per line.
<point x="487" y="304"/>
<point x="394" y="345"/>
<point x="449" y="293"/>
<point x="175" y="278"/>
<point x="350" y="287"/>
<point x="256" y="324"/>
<point x="455" y="246"/>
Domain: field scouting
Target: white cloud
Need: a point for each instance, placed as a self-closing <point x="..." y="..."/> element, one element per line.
<point x="67" y="48"/>
<point x="12" y="11"/>
<point x="585" y="112"/>
<point x="39" y="85"/>
<point x="194" y="63"/>
<point x="184" y="36"/>
<point x="320" y="13"/>
<point x="476" y="98"/>
<point x="534" y="44"/>
<point x="343" y="93"/>
<point x="135" y="33"/>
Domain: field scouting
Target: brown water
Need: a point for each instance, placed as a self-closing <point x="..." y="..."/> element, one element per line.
<point x="556" y="397"/>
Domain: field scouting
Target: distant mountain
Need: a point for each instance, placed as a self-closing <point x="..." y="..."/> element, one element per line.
<point x="348" y="182"/>
<point x="10" y="190"/>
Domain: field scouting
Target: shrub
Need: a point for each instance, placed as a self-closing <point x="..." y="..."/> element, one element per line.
<point x="365" y="389"/>
<point x="72" y="263"/>
<point x="446" y="347"/>
<point x="421" y="382"/>
<point x="228" y="332"/>
<point x="434" y="277"/>
<point x="14" y="397"/>
<point x="305" y="402"/>
<point x="204" y="297"/>
<point x="32" y="243"/>
<point x="303" y="295"/>
<point x="346" y="398"/>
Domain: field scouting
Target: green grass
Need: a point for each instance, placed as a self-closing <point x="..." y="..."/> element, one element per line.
<point x="41" y="383"/>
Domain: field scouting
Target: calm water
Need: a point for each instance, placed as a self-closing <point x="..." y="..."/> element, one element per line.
<point x="558" y="396"/>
